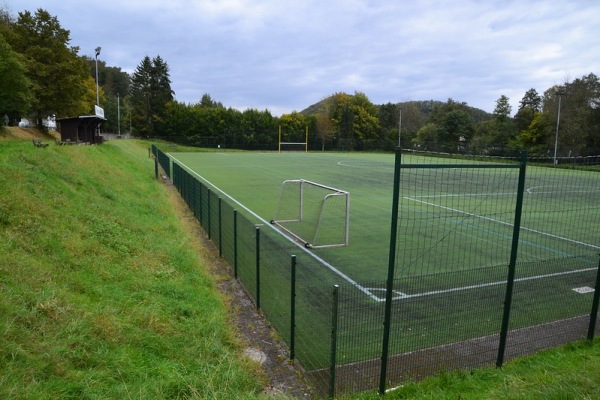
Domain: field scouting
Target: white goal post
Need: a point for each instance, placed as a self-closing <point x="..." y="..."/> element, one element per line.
<point x="296" y="145"/>
<point x="313" y="214"/>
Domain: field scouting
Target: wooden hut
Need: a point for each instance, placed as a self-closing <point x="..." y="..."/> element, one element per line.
<point x="82" y="129"/>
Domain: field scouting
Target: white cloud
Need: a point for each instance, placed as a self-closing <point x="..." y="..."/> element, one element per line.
<point x="286" y="55"/>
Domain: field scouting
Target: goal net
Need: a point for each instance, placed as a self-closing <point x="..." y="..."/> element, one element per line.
<point x="313" y="214"/>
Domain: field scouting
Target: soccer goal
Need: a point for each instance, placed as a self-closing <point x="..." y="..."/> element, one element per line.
<point x="313" y="214"/>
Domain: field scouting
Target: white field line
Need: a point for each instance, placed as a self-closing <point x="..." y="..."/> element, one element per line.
<point x="482" y="285"/>
<point x="430" y="196"/>
<point x="533" y="190"/>
<point x="267" y="223"/>
<point x="504" y="223"/>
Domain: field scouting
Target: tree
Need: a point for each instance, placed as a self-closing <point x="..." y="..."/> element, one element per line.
<point x="161" y="84"/>
<point x="388" y="121"/>
<point x="483" y="138"/>
<point x="325" y="129"/>
<point x="503" y="109"/>
<point x="293" y="127"/>
<point x="450" y="128"/>
<point x="523" y="118"/>
<point x="259" y="129"/>
<point x="141" y="95"/>
<point x="531" y="100"/>
<point x="455" y="131"/>
<point x="492" y="137"/>
<point x="56" y="72"/>
<point x="504" y="127"/>
<point x="412" y="120"/>
<point x="113" y="80"/>
<point x="208" y="102"/>
<point x="579" y="125"/>
<point x="15" y="96"/>
<point x="6" y="20"/>
<point x="426" y="137"/>
<point x="150" y="93"/>
<point x="355" y="120"/>
<point x="530" y="104"/>
<point x="533" y="138"/>
<point x="366" y="127"/>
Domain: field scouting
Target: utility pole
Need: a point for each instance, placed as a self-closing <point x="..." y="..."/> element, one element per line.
<point x="559" y="93"/>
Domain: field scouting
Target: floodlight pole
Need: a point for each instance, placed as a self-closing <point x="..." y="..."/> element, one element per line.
<point x="559" y="93"/>
<point x="97" y="91"/>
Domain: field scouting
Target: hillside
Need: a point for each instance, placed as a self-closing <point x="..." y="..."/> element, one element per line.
<point x="425" y="107"/>
<point x="103" y="294"/>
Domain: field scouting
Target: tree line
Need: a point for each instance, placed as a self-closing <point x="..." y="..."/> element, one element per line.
<point x="43" y="75"/>
<point x="352" y="122"/>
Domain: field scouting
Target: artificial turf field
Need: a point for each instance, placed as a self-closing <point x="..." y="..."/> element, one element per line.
<point x="474" y="207"/>
<point x="454" y="239"/>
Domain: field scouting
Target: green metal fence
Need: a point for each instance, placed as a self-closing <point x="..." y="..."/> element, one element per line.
<point x="506" y="268"/>
<point x="289" y="289"/>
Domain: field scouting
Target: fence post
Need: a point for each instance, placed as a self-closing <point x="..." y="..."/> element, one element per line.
<point x="195" y="197"/>
<point x="512" y="266"/>
<point x="390" y="277"/>
<point x="258" y="267"/>
<point x="293" y="310"/>
<point x="594" y="312"/>
<point x="156" y="167"/>
<point x="208" y="211"/>
<point x="333" y="352"/>
<point x="220" y="230"/>
<point x="235" y="243"/>
<point x="200" y="201"/>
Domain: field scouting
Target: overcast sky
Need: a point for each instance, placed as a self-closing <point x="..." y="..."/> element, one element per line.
<point x="285" y="55"/>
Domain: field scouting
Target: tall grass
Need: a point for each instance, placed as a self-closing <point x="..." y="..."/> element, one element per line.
<point x="102" y="293"/>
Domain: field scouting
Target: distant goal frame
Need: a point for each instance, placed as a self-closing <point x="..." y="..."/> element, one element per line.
<point x="305" y="143"/>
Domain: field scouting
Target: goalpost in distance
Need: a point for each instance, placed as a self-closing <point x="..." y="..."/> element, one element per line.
<point x="313" y="214"/>
<point x="303" y="145"/>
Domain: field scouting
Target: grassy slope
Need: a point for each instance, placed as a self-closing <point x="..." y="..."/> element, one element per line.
<point x="102" y="294"/>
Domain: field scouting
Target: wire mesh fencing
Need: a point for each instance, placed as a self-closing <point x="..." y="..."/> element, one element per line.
<point x="488" y="261"/>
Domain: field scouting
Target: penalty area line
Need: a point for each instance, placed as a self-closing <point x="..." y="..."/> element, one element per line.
<point x="267" y="223"/>
<point x="402" y="296"/>
<point x="504" y="223"/>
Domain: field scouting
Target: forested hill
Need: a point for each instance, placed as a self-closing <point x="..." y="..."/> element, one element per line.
<point x="425" y="107"/>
